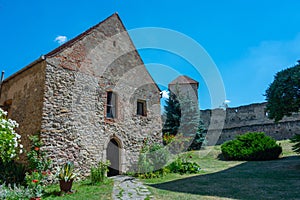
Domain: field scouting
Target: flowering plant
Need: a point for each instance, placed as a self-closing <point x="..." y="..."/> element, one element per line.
<point x="39" y="167"/>
<point x="37" y="157"/>
<point x="10" y="145"/>
<point x="35" y="183"/>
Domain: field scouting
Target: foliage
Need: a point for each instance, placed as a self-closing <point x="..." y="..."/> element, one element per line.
<point x="283" y="94"/>
<point x="66" y="172"/>
<point x="36" y="157"/>
<point x="182" y="165"/>
<point x="199" y="139"/>
<point x="10" y="145"/>
<point x="172" y="114"/>
<point x="12" y="173"/>
<point x="98" y="173"/>
<point x="168" y="138"/>
<point x="39" y="167"/>
<point x="221" y="179"/>
<point x="178" y="143"/>
<point x="152" y="158"/>
<point x="35" y="182"/>
<point x="296" y="140"/>
<point x="251" y="146"/>
<point x="14" y="192"/>
<point x="183" y="116"/>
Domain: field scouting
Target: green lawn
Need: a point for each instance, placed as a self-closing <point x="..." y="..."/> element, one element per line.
<point x="219" y="179"/>
<point x="277" y="179"/>
<point x="83" y="191"/>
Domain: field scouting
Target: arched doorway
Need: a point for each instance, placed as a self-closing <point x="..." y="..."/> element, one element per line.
<point x="113" y="155"/>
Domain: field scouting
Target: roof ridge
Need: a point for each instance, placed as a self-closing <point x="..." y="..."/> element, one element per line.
<point x="182" y="79"/>
<point x="78" y="37"/>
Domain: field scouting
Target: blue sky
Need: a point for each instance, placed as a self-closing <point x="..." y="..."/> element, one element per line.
<point x="249" y="41"/>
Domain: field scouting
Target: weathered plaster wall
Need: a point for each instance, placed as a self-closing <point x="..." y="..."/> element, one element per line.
<point x="253" y="117"/>
<point x="25" y="91"/>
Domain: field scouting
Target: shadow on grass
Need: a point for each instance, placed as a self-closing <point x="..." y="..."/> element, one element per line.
<point x="277" y="179"/>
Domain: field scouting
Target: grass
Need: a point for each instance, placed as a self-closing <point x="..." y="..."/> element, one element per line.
<point x="219" y="179"/>
<point x="276" y="179"/>
<point x="84" y="190"/>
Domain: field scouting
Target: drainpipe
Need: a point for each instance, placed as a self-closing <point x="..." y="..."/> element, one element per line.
<point x="1" y="81"/>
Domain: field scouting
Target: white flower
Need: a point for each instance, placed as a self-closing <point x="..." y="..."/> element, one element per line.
<point x="21" y="151"/>
<point x="21" y="146"/>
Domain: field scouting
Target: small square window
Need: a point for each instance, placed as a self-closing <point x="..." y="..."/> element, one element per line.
<point x="141" y="108"/>
<point x="111" y="107"/>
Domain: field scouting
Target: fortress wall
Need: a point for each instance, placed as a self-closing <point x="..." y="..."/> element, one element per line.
<point x="250" y="118"/>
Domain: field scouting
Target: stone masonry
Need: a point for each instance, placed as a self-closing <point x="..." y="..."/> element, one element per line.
<point x="63" y="96"/>
<point x="249" y="118"/>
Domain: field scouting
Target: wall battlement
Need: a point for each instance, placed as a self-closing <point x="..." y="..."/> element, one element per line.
<point x="250" y="118"/>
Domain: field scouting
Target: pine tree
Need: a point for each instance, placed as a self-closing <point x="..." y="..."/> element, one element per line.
<point x="183" y="116"/>
<point x="172" y="114"/>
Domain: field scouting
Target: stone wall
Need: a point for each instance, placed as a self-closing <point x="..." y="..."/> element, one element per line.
<point x="22" y="94"/>
<point x="78" y="76"/>
<point x="251" y="117"/>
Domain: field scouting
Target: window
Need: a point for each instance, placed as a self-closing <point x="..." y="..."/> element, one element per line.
<point x="111" y="105"/>
<point x="141" y="108"/>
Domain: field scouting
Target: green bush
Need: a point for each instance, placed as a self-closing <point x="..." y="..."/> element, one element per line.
<point x="98" y="173"/>
<point x="152" y="159"/>
<point x="296" y="140"/>
<point x="12" y="173"/>
<point x="251" y="146"/>
<point x="182" y="165"/>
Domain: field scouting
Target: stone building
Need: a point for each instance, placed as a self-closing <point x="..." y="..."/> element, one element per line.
<point x="90" y="99"/>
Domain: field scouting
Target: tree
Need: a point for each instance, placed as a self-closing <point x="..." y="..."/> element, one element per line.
<point x="183" y="116"/>
<point x="283" y="94"/>
<point x="172" y="114"/>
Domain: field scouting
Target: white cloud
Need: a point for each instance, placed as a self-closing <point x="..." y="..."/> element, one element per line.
<point x="61" y="39"/>
<point x="227" y="101"/>
<point x="165" y="94"/>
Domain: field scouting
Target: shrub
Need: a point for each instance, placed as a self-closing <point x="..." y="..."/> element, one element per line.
<point x="178" y="143"/>
<point x="296" y="140"/>
<point x="98" y="173"/>
<point x="182" y="165"/>
<point x="10" y="145"/>
<point x="37" y="157"/>
<point x="12" y="173"/>
<point x="39" y="168"/>
<point x="251" y="146"/>
<point x="152" y="159"/>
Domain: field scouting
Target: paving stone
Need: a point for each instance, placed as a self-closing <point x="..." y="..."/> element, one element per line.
<point x="126" y="187"/>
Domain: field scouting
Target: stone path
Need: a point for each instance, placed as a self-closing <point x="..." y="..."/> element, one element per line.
<point x="126" y="187"/>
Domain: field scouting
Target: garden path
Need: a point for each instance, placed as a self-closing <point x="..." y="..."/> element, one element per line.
<point x="126" y="187"/>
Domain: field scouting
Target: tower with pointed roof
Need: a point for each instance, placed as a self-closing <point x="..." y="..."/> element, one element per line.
<point x="186" y="87"/>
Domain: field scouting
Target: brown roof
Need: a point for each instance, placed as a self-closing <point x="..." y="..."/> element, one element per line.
<point x="184" y="80"/>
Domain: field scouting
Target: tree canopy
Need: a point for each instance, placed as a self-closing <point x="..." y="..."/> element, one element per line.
<point x="283" y="94"/>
